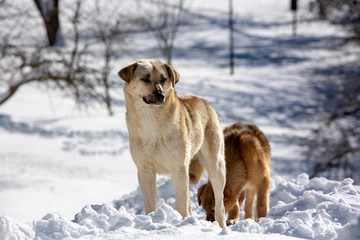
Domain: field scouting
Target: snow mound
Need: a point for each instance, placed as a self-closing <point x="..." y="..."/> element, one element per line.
<point x="303" y="208"/>
<point x="351" y="231"/>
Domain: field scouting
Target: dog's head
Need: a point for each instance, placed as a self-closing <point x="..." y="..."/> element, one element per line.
<point x="150" y="80"/>
<point x="206" y="199"/>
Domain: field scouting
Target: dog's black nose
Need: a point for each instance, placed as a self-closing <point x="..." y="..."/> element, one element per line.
<point x="159" y="96"/>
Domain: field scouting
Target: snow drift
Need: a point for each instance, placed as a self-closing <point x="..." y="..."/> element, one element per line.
<point x="302" y="208"/>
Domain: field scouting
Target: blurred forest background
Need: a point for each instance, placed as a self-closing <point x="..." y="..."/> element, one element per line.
<point x="75" y="34"/>
<point x="334" y="147"/>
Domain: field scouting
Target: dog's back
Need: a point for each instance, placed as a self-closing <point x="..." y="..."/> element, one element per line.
<point x="244" y="142"/>
<point x="247" y="153"/>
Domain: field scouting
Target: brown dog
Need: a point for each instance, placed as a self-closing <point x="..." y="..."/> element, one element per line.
<point x="247" y="154"/>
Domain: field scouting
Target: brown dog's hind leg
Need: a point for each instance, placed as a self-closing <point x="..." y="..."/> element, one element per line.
<point x="262" y="203"/>
<point x="241" y="199"/>
<point x="249" y="203"/>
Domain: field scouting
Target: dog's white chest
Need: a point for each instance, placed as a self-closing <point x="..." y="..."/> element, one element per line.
<point x="155" y="144"/>
<point x="149" y="130"/>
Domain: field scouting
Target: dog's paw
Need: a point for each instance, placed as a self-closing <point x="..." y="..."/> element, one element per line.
<point x="232" y="222"/>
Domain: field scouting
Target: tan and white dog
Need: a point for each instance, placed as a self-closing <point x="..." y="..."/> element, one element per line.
<point x="166" y="132"/>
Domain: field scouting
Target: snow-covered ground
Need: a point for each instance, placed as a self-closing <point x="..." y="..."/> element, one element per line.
<point x="67" y="172"/>
<point x="303" y="208"/>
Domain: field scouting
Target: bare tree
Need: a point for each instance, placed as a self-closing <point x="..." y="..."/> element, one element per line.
<point x="334" y="147"/>
<point x="108" y="30"/>
<point x="294" y="8"/>
<point x="49" y="10"/>
<point x="81" y="69"/>
<point x="343" y="12"/>
<point x="66" y="71"/>
<point x="164" y="19"/>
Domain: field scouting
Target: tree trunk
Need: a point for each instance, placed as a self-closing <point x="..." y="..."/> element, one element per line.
<point x="231" y="42"/>
<point x="49" y="10"/>
<point x="105" y="79"/>
<point x="167" y="54"/>
<point x="293" y="8"/>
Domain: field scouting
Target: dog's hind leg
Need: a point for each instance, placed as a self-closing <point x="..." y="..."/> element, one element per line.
<point x="217" y="179"/>
<point x="249" y="202"/>
<point x="215" y="166"/>
<point x="212" y="156"/>
<point x="241" y="198"/>
<point x="147" y="181"/>
<point x="262" y="203"/>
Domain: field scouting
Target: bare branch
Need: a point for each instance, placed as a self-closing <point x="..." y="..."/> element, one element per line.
<point x="164" y="21"/>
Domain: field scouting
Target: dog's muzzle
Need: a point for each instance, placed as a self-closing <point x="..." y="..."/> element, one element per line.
<point x="157" y="98"/>
<point x="210" y="217"/>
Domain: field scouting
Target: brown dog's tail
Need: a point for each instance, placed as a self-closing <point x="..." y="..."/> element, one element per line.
<point x="251" y="141"/>
<point x="196" y="170"/>
<point x="254" y="154"/>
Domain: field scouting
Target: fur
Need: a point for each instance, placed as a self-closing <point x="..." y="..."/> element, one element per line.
<point x="247" y="154"/>
<point x="166" y="132"/>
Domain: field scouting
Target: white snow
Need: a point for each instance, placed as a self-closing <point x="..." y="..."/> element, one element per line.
<point x="66" y="173"/>
<point x="302" y="208"/>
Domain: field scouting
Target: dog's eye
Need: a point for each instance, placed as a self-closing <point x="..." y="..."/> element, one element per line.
<point x="145" y="80"/>
<point x="212" y="211"/>
<point x="163" y="80"/>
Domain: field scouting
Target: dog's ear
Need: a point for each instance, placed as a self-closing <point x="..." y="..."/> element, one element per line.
<point x="127" y="72"/>
<point x="174" y="75"/>
<point x="201" y="189"/>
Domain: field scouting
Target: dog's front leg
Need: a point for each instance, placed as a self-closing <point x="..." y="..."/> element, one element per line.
<point x="180" y="179"/>
<point x="147" y="181"/>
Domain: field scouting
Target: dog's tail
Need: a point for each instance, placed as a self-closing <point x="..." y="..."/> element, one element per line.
<point x="256" y="155"/>
<point x="250" y="141"/>
<point x="253" y="152"/>
<point x="196" y="170"/>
